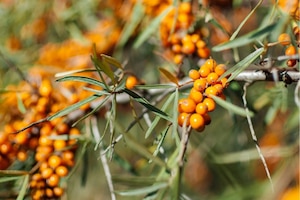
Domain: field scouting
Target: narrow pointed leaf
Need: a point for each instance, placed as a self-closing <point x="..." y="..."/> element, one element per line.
<point x="21" y="105"/>
<point x="24" y="187"/>
<point x="143" y="191"/>
<point x="247" y="39"/>
<point x="231" y="107"/>
<point x="145" y="103"/>
<point x="82" y="79"/>
<point x="169" y="75"/>
<point x="73" y="107"/>
<point x="112" y="61"/>
<point x="103" y="66"/>
<point x="151" y="28"/>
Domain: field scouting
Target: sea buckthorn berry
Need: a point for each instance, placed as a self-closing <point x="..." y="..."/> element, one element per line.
<point x="175" y="39"/>
<point x="211" y="63"/>
<point x="195" y="38"/>
<point x="36" y="177"/>
<point x="219" y="88"/>
<point x="291" y="50"/>
<point x="183" y="117"/>
<point x="46" y="173"/>
<point x="188" y="105"/>
<point x="186" y="39"/>
<point x="54" y="161"/>
<point x="224" y="82"/>
<point x="49" y="193"/>
<point x="201" y="108"/>
<point x="188" y="48"/>
<point x="203" y="52"/>
<point x="200" y="84"/>
<point x="53" y="180"/>
<point x="197" y="121"/>
<point x="284" y="39"/>
<point x="61" y="171"/>
<point x="178" y="58"/>
<point x="22" y="155"/>
<point x="194" y="74"/>
<point x="176" y="48"/>
<point x="58" y="191"/>
<point x="131" y="82"/>
<point x="21" y="138"/>
<point x="62" y="128"/>
<point x="185" y="7"/>
<point x="45" y="141"/>
<point x="211" y="90"/>
<point x="196" y="95"/>
<point x="204" y="71"/>
<point x="220" y="69"/>
<point x="59" y="144"/>
<point x="200" y="44"/>
<point x="45" y="88"/>
<point x="207" y="118"/>
<point x="210" y="103"/>
<point x="5" y="148"/>
<point x="212" y="78"/>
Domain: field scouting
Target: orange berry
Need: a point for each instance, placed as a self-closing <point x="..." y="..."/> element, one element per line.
<point x="211" y="63"/>
<point x="220" y="69"/>
<point x="54" y="161"/>
<point x="200" y="84"/>
<point x="185" y="7"/>
<point x="188" y="48"/>
<point x="200" y="44"/>
<point x="201" y="108"/>
<point x="5" y="148"/>
<point x="219" y="88"/>
<point x="61" y="171"/>
<point x="196" y="95"/>
<point x="211" y="90"/>
<point x="188" y="105"/>
<point x="210" y="103"/>
<point x="197" y="121"/>
<point x="49" y="192"/>
<point x="203" y="52"/>
<point x="212" y="78"/>
<point x="58" y="191"/>
<point x="62" y="128"/>
<point x="46" y="129"/>
<point x="45" y="88"/>
<point x="36" y="177"/>
<point x="284" y="39"/>
<point x="131" y="82"/>
<point x="22" y="155"/>
<point x="186" y="39"/>
<point x="204" y="71"/>
<point x="178" y="58"/>
<point x="176" y="48"/>
<point x="194" y="74"/>
<point x="59" y="144"/>
<point x="21" y="138"/>
<point x="291" y="62"/>
<point x="195" y="38"/>
<point x="53" y="180"/>
<point x="45" y="141"/>
<point x="291" y="50"/>
<point x="46" y="173"/>
<point x="175" y="39"/>
<point x="224" y="82"/>
<point x="183" y="117"/>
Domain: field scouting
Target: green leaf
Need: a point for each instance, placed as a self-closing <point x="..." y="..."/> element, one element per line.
<point x="231" y="107"/>
<point x="258" y="34"/>
<point x="144" y="190"/>
<point x="21" y="105"/>
<point x="73" y="107"/>
<point x="24" y="187"/>
<point x="242" y="65"/>
<point x="151" y="28"/>
<point x="136" y="17"/>
<point x="169" y="75"/>
<point x="157" y="118"/>
<point x="145" y="103"/>
<point x="8" y="178"/>
<point x="112" y="61"/>
<point x="103" y="66"/>
<point x="82" y="79"/>
<point x="67" y="73"/>
<point x="154" y="86"/>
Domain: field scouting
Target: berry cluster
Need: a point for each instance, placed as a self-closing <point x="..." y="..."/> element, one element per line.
<point x="194" y="109"/>
<point x="180" y="42"/>
<point x="285" y="40"/>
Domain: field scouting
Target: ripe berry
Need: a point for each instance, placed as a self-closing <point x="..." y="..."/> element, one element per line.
<point x="201" y="108"/>
<point x="212" y="78"/>
<point x="200" y="84"/>
<point x="197" y="121"/>
<point x="61" y="171"/>
<point x="211" y="63"/>
<point x="131" y="82"/>
<point x="291" y="50"/>
<point x="58" y="191"/>
<point x="211" y="90"/>
<point x="188" y="48"/>
<point x="54" y="161"/>
<point x="194" y="74"/>
<point x="196" y="95"/>
<point x="183" y="117"/>
<point x="220" y="69"/>
<point x="203" y="52"/>
<point x="204" y="71"/>
<point x="210" y="103"/>
<point x="53" y="180"/>
<point x="284" y="39"/>
<point x="188" y="105"/>
<point x="46" y="173"/>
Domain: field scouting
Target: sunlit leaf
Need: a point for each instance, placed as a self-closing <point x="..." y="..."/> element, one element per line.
<point x="103" y="66"/>
<point x="151" y="28"/>
<point x="112" y="61"/>
<point x="23" y="189"/>
<point x="231" y="107"/>
<point x="82" y="79"/>
<point x="242" y="65"/>
<point x="169" y="75"/>
<point x="154" y="86"/>
<point x="144" y="190"/>
<point x="21" y="105"/>
<point x="145" y="103"/>
<point x="73" y="107"/>
<point x="246" y="39"/>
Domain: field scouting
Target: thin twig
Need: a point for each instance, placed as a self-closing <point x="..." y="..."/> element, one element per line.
<point x="103" y="158"/>
<point x="254" y="138"/>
